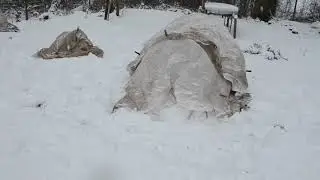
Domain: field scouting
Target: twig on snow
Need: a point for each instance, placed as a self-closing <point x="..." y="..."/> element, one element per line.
<point x="137" y="53"/>
<point x="166" y="33"/>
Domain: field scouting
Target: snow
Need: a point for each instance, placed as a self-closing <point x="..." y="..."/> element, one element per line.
<point x="316" y="25"/>
<point x="3" y="19"/>
<point x="55" y="120"/>
<point x="266" y="50"/>
<point x="221" y="8"/>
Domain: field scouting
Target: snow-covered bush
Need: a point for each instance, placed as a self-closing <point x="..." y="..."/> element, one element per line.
<point x="265" y="50"/>
<point x="315" y="25"/>
<point x="254" y="49"/>
<point x="59" y="7"/>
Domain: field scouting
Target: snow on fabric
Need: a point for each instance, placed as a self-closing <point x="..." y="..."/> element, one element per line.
<point x="221" y="8"/>
<point x="70" y="44"/>
<point x="194" y="63"/>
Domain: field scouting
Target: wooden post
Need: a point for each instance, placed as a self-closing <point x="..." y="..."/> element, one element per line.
<point x="235" y="27"/>
<point x="228" y="18"/>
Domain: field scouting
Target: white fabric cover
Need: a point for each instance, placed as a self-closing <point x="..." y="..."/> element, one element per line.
<point x="70" y="44"/>
<point x="196" y="65"/>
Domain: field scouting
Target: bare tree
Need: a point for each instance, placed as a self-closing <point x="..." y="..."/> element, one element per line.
<point x="106" y="9"/>
<point x="26" y="9"/>
<point x="117" y="4"/>
<point x="264" y="9"/>
<point x="294" y="10"/>
<point x="110" y="5"/>
<point x="314" y="10"/>
<point x="203" y="4"/>
<point x="302" y="8"/>
<point x="243" y="7"/>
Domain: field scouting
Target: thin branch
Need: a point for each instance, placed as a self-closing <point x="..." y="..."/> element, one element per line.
<point x="137" y="53"/>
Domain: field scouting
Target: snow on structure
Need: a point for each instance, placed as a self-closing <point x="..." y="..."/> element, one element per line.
<point x="221" y="8"/>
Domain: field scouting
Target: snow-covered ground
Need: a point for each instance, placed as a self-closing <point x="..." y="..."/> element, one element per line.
<point x="55" y="120"/>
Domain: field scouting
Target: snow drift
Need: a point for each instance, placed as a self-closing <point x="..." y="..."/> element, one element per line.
<point x="193" y="63"/>
<point x="70" y="44"/>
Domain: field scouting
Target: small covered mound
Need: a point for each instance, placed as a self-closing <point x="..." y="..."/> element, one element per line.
<point x="70" y="44"/>
<point x="193" y="63"/>
<point x="5" y="26"/>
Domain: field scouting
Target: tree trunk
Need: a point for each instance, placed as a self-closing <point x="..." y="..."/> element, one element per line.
<point x="26" y="9"/>
<point x="192" y="4"/>
<point x="295" y="10"/>
<point x="117" y="7"/>
<point x="106" y="9"/>
<point x="264" y="9"/>
<point x="229" y="1"/>
<point x="109" y="8"/>
<point x="243" y="8"/>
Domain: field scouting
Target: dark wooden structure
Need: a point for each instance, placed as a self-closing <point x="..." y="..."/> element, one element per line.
<point x="230" y="19"/>
<point x="231" y="22"/>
